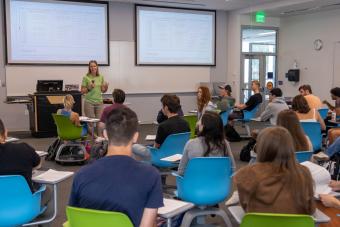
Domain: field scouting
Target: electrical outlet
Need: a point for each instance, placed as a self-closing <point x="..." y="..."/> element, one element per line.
<point x="26" y="112"/>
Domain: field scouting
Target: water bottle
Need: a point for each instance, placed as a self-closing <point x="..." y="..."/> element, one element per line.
<point x="334" y="116"/>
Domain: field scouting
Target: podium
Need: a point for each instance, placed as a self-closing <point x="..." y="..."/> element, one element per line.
<point x="42" y="107"/>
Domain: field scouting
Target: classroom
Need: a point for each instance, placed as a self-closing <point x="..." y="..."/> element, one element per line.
<point x="219" y="86"/>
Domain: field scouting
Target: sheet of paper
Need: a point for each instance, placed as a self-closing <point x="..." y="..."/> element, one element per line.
<point x="171" y="205"/>
<point x="41" y="153"/>
<point x="11" y="139"/>
<point x="83" y="118"/>
<point x="150" y="137"/>
<point x="321" y="178"/>
<point x="52" y="175"/>
<point x="173" y="158"/>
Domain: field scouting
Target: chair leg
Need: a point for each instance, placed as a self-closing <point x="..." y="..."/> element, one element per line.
<point x="195" y="212"/>
<point x="188" y="218"/>
<point x="59" y="151"/>
<point x="248" y="129"/>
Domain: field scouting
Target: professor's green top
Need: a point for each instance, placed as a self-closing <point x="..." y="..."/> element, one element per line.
<point x="94" y="95"/>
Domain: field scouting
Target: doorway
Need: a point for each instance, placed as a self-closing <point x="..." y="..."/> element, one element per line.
<point x="258" y="59"/>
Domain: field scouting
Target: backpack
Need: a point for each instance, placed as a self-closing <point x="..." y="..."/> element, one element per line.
<point x="231" y="134"/>
<point x="98" y="151"/>
<point x="245" y="152"/>
<point x="52" y="150"/>
<point x="333" y="166"/>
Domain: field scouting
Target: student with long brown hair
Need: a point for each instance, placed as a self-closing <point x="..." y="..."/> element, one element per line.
<point x="203" y="101"/>
<point x="276" y="183"/>
<point x="305" y="113"/>
<point x="289" y="120"/>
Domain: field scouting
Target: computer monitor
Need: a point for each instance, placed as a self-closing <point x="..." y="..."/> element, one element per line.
<point x="49" y="85"/>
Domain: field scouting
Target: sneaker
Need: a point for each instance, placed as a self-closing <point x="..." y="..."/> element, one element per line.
<point x="321" y="156"/>
<point x="234" y="199"/>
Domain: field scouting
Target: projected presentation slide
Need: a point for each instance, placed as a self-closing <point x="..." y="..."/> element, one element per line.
<point x="56" y="32"/>
<point x="171" y="36"/>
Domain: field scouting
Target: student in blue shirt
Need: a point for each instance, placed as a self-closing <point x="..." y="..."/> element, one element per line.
<point x="117" y="182"/>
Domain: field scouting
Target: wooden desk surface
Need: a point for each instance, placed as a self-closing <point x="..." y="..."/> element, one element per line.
<point x="330" y="212"/>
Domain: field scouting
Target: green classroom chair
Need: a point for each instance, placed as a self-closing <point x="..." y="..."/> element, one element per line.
<point x="276" y="220"/>
<point x="192" y="120"/>
<point x="67" y="131"/>
<point x="81" y="217"/>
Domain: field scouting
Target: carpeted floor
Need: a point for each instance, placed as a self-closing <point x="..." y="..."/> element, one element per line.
<point x="64" y="187"/>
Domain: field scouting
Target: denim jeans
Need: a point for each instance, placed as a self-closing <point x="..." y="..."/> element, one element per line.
<point x="334" y="148"/>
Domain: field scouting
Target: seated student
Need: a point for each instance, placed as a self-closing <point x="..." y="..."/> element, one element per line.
<point x="117" y="182"/>
<point x="252" y="102"/>
<point x="276" y="183"/>
<point x="226" y="100"/>
<point x="289" y="120"/>
<point x="334" y="132"/>
<point x="74" y="117"/>
<point x="20" y="159"/>
<point x="275" y="106"/>
<point x="204" y="101"/>
<point x="330" y="200"/>
<point x="174" y="124"/>
<point x="313" y="101"/>
<point x="161" y="116"/>
<point x="304" y="112"/>
<point x="210" y="141"/>
<point x="118" y="100"/>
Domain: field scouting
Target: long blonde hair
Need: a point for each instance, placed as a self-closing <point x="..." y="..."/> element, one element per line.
<point x="68" y="102"/>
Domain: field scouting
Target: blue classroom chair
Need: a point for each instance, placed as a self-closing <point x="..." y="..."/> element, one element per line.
<point x="18" y="205"/>
<point x="206" y="182"/>
<point x="303" y="156"/>
<point x="313" y="131"/>
<point x="173" y="144"/>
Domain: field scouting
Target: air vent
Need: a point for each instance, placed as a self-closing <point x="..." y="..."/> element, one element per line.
<point x="306" y="10"/>
<point x="191" y="3"/>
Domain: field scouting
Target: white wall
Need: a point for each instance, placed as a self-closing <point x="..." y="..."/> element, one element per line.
<point x="121" y="29"/>
<point x="296" y="38"/>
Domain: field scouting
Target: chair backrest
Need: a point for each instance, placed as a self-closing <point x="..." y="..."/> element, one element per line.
<point x="303" y="156"/>
<point x="313" y="131"/>
<point x="173" y="144"/>
<point x="224" y="116"/>
<point x="192" y="120"/>
<point x="323" y="112"/>
<point x="81" y="217"/>
<point x="277" y="220"/>
<point x="65" y="128"/>
<point x="206" y="181"/>
<point x="17" y="206"/>
<point x="248" y="115"/>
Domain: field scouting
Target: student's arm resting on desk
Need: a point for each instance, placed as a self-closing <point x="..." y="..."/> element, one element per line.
<point x="330" y="201"/>
<point x="335" y="185"/>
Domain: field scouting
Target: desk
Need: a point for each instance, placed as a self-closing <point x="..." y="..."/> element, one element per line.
<point x="53" y="178"/>
<point x="90" y="120"/>
<point x="173" y="208"/>
<point x="330" y="212"/>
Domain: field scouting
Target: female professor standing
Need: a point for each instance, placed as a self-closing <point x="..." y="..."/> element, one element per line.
<point x="92" y="86"/>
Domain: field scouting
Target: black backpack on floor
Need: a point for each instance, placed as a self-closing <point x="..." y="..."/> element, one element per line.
<point x="231" y="134"/>
<point x="52" y="150"/>
<point x="245" y="152"/>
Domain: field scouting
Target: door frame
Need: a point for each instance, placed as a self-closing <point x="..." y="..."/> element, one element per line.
<point x="261" y="55"/>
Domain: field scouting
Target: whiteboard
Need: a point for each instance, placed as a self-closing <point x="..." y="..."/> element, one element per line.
<point x="122" y="73"/>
